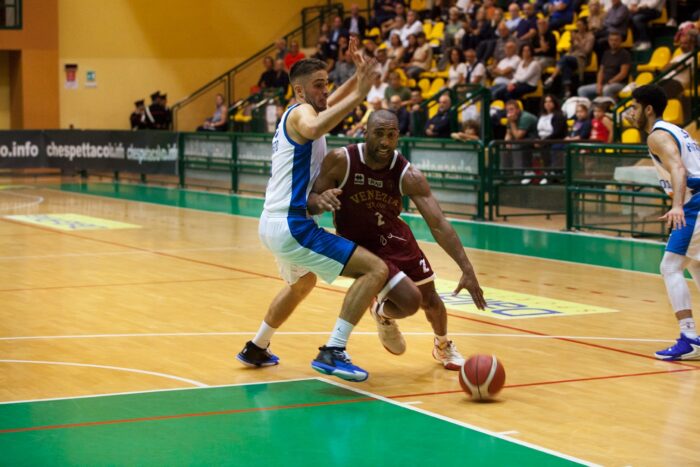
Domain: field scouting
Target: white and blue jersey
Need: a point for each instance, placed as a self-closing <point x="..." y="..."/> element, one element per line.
<point x="684" y="241"/>
<point x="297" y="242"/>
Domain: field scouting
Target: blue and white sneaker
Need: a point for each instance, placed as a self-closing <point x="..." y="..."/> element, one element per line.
<point x="254" y="356"/>
<point x="685" y="348"/>
<point x="336" y="361"/>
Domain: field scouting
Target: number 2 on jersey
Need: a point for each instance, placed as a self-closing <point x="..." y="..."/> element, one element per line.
<point x="380" y="218"/>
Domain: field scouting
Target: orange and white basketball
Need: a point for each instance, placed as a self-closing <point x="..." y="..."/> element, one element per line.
<point x="482" y="376"/>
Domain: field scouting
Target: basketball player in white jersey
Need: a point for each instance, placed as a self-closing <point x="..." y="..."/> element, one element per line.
<point x="676" y="157"/>
<point x="302" y="249"/>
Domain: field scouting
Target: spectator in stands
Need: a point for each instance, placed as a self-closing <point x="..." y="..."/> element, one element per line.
<point x="561" y="13"/>
<point x="359" y="129"/>
<point x="397" y="107"/>
<point x="525" y="79"/>
<point x="334" y="35"/>
<point x="503" y="72"/>
<point x="552" y="121"/>
<point x="383" y="63"/>
<point x="467" y="37"/>
<point x="514" y="13"/>
<point x="616" y="20"/>
<point x="470" y="132"/>
<point x="343" y="70"/>
<point x="218" y="121"/>
<point x="475" y="70"/>
<point x="596" y="16"/>
<point x="544" y="45"/>
<point x="520" y="125"/>
<point x="601" y="124"/>
<point x="267" y="78"/>
<point x="395" y="51"/>
<point x="422" y="57"/>
<point x="439" y="125"/>
<point x="377" y="90"/>
<point x="369" y="47"/>
<point x="485" y="32"/>
<point x="582" y="41"/>
<point x="413" y="25"/>
<point x="416" y="100"/>
<point x="495" y="48"/>
<point x="137" y="119"/>
<point x="527" y="27"/>
<point x="581" y="129"/>
<point x="409" y="50"/>
<point x="395" y="89"/>
<point x="293" y="56"/>
<point x="453" y="26"/>
<point x="384" y="10"/>
<point x="439" y="10"/>
<point x="643" y="11"/>
<point x="281" y="48"/>
<point x="457" y="71"/>
<point x="281" y="76"/>
<point x="613" y="72"/>
<point x="396" y="26"/>
<point x="355" y="23"/>
<point x="678" y="81"/>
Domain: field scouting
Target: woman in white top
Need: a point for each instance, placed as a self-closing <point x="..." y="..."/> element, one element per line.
<point x="394" y="50"/>
<point x="457" y="71"/>
<point x="525" y="79"/>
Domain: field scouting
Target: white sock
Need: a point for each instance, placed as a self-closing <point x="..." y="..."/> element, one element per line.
<point x="441" y="340"/>
<point x="688" y="328"/>
<point x="262" y="338"/>
<point x="380" y="310"/>
<point x="341" y="334"/>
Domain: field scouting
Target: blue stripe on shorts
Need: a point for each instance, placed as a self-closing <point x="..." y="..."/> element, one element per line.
<point x="309" y="235"/>
<point x="680" y="239"/>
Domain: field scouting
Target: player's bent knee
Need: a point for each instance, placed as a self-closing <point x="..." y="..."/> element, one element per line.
<point x="671" y="263"/>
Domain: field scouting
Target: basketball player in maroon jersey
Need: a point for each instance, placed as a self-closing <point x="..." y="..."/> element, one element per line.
<point x="363" y="186"/>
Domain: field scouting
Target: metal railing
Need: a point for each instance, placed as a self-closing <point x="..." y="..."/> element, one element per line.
<point x="235" y="83"/>
<point x="526" y="178"/>
<point x="614" y="188"/>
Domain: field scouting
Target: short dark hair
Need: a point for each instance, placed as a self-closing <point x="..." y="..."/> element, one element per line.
<point x="652" y="95"/>
<point x="305" y="67"/>
<point x="382" y="115"/>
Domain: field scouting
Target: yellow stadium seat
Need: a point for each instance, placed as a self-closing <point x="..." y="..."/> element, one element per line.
<point x="571" y="26"/>
<point x="499" y="104"/>
<point x="424" y="85"/>
<point x="435" y="86"/>
<point x="427" y="28"/>
<point x="411" y="83"/>
<point x="631" y="136"/>
<point x="592" y="67"/>
<point x="674" y="112"/>
<point x="402" y="75"/>
<point x="677" y="52"/>
<point x="374" y="32"/>
<point x="659" y="59"/>
<point x="539" y="92"/>
<point x="564" y="42"/>
<point x="432" y="110"/>
<point x="640" y="80"/>
<point x="629" y="41"/>
<point x="438" y="31"/>
<point x="661" y="20"/>
<point x="289" y="93"/>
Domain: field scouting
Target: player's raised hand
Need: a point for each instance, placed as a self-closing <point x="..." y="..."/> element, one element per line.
<point x="675" y="218"/>
<point x="328" y="200"/>
<point x="471" y="283"/>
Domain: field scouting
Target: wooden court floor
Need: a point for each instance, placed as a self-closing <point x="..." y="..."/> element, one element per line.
<point x="167" y="300"/>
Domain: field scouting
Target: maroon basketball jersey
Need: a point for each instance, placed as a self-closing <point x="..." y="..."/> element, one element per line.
<point x="371" y="203"/>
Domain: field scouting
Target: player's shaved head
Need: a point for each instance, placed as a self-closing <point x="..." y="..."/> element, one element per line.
<point x="382" y="117"/>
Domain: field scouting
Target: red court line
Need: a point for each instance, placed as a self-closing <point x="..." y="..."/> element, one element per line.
<point x="267" y="276"/>
<point x="560" y="381"/>
<point x="566" y="339"/>
<point x="186" y="415"/>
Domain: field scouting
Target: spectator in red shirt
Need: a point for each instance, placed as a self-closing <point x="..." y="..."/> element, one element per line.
<point x="293" y="56"/>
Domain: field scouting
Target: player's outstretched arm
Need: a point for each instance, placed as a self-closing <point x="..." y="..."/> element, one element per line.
<point x="416" y="186"/>
<point x="664" y="146"/>
<point x="347" y="87"/>
<point x="324" y="194"/>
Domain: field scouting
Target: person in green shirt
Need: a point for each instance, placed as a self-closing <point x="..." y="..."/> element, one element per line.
<point x="521" y="125"/>
<point x="395" y="89"/>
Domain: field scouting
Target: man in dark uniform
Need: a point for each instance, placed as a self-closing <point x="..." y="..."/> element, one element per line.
<point x="138" y="116"/>
<point x="168" y="115"/>
<point x="363" y="186"/>
<point x="156" y="114"/>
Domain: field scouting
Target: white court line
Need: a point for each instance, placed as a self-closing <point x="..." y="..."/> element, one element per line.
<point x="323" y="333"/>
<point x="457" y="422"/>
<point x="508" y="433"/>
<point x="107" y="367"/>
<point x="150" y="391"/>
<point x="36" y="200"/>
<point x="413" y="402"/>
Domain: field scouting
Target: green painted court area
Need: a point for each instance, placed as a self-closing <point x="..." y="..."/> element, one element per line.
<point x="304" y="423"/>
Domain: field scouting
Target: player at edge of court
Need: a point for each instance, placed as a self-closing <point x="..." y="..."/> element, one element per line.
<point x="302" y="249"/>
<point x="363" y="185"/>
<point x="676" y="156"/>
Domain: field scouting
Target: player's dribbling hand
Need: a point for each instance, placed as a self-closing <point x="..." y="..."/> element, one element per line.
<point x="328" y="200"/>
<point x="675" y="218"/>
<point x="470" y="282"/>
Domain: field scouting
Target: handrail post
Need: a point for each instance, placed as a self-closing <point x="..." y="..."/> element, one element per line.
<point x="181" y="159"/>
<point x="569" y="189"/>
<point x="480" y="210"/>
